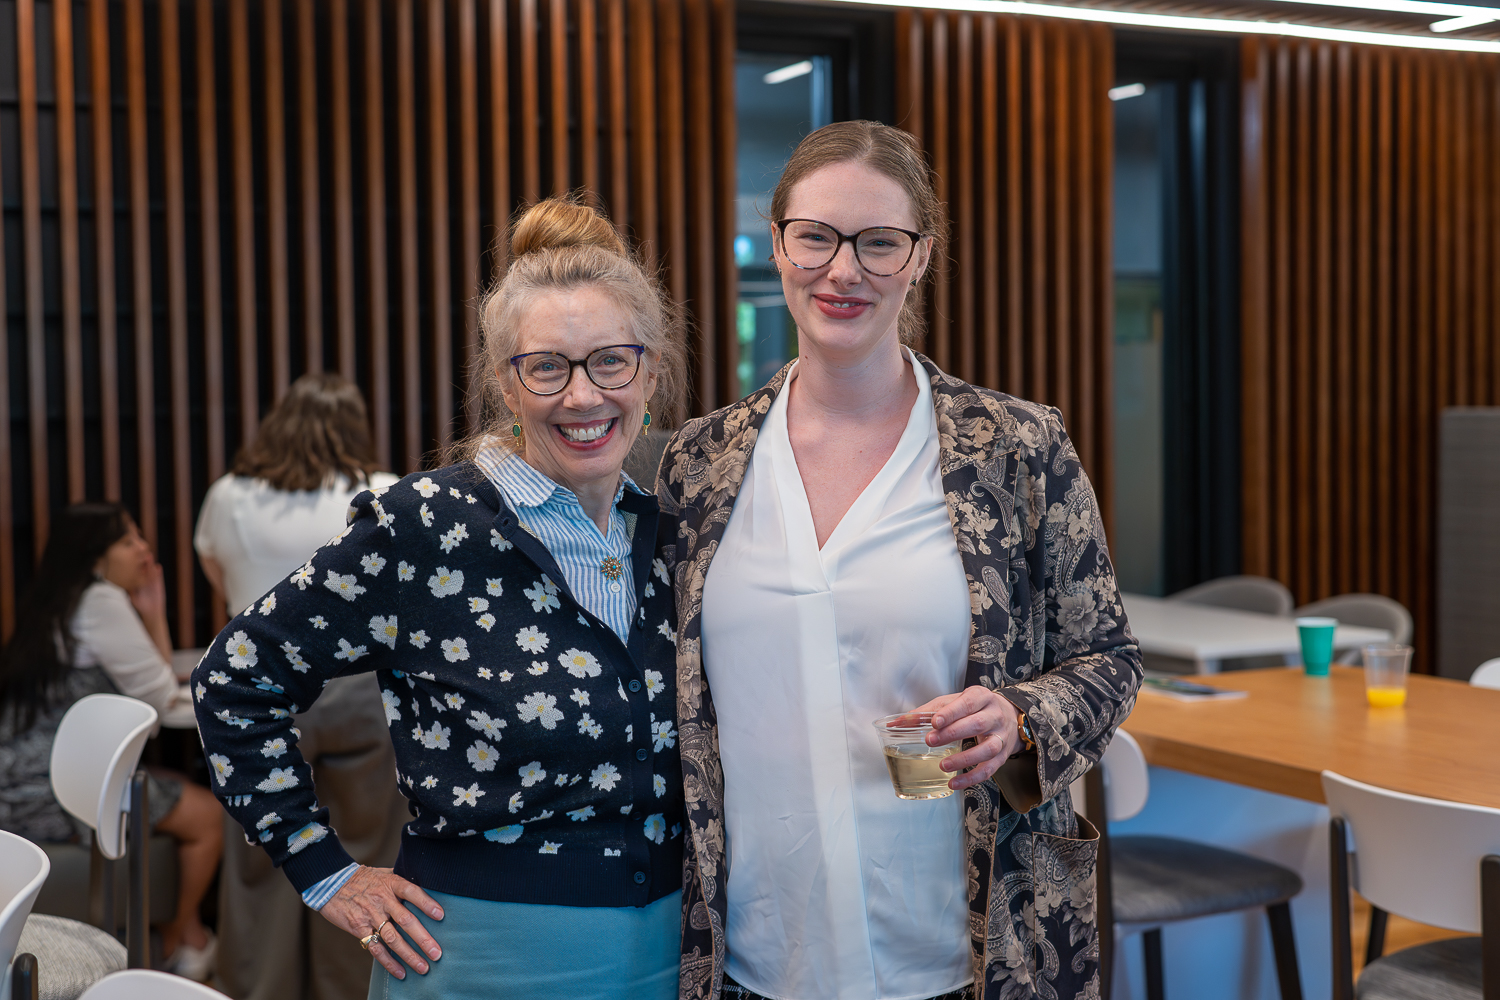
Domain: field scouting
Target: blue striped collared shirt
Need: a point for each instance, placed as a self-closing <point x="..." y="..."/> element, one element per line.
<point x="552" y="514"/>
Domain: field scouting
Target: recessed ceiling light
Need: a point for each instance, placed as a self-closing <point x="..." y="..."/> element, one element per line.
<point x="791" y="72"/>
<point x="1127" y="91"/>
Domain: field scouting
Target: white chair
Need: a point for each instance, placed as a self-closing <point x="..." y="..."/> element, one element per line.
<point x="74" y="954"/>
<point x="23" y="869"/>
<point x="1368" y="610"/>
<point x="143" y="984"/>
<point x="1428" y="860"/>
<point x="1243" y="593"/>
<point x="94" y="758"/>
<point x="1487" y="674"/>
<point x="1148" y="881"/>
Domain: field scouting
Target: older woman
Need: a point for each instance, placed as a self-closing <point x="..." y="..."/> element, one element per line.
<point x="519" y="620"/>
<point x="918" y="543"/>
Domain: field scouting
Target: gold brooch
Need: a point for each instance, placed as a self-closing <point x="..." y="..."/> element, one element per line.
<point x="611" y="568"/>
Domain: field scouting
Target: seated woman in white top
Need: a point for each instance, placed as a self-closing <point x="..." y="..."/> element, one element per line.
<point x="94" y="620"/>
<point x="287" y="495"/>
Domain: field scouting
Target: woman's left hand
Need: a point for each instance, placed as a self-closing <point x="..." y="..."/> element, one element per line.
<point x="980" y="714"/>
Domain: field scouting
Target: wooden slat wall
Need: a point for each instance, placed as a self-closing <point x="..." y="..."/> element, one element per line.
<point x="1014" y="114"/>
<point x="208" y="198"/>
<point x="1370" y="295"/>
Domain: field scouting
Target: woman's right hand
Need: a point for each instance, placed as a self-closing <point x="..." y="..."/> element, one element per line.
<point x="372" y="897"/>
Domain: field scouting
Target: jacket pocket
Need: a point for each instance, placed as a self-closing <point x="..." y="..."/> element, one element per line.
<point x="1065" y="928"/>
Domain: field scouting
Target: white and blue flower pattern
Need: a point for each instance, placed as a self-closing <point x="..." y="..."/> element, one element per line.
<point x="421" y="683"/>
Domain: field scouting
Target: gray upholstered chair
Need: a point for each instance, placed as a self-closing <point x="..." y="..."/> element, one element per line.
<point x="1429" y="860"/>
<point x="1260" y="594"/>
<point x="1153" y="881"/>
<point x="1369" y="610"/>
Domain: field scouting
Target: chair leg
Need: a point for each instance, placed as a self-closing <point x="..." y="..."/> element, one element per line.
<point x="1375" y="941"/>
<point x="1151" y="949"/>
<point x="1284" y="944"/>
<point x="25" y="983"/>
<point x="138" y="920"/>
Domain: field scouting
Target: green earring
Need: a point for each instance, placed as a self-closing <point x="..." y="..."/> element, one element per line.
<point x="515" y="429"/>
<point x="646" y="420"/>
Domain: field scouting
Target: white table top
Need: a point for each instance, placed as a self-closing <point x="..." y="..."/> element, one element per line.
<point x="1196" y="632"/>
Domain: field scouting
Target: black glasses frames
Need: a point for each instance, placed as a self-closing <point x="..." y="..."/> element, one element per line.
<point x="547" y="373"/>
<point x="882" y="245"/>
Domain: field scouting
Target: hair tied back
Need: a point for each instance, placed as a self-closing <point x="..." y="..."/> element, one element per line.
<point x="559" y="223"/>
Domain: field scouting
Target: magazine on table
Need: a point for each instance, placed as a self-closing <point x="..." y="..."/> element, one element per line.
<point x="1180" y="688"/>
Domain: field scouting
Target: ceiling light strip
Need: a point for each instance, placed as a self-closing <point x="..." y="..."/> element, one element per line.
<point x="1172" y="22"/>
<point x="1408" y="7"/>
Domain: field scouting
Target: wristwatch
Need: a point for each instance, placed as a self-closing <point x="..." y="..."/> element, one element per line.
<point x="1023" y="724"/>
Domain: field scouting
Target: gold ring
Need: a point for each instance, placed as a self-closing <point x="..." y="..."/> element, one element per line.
<point x="374" y="935"/>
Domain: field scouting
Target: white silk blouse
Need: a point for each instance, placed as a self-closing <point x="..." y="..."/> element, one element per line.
<point x="837" y="889"/>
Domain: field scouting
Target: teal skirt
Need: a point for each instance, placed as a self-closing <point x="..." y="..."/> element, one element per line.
<point x="521" y="951"/>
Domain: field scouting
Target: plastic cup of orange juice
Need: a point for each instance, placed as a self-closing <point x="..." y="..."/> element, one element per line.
<point x="1386" y="667"/>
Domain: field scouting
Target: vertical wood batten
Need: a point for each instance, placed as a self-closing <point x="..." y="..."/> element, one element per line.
<point x="673" y="177"/>
<point x="411" y="274"/>
<point x="531" y="153"/>
<point x="278" y="271"/>
<point x="500" y="195"/>
<point x="208" y="247"/>
<point x="963" y="195"/>
<point x="177" y="316"/>
<point x="618" y="88"/>
<point x="32" y="270"/>
<point x="209" y="253"/>
<point x="342" y="162"/>
<point x="991" y="333"/>
<point x="439" y="252"/>
<point x="586" y="17"/>
<point x="701" y="178"/>
<point x="378" y="318"/>
<point x="470" y="249"/>
<point x="1014" y="379"/>
<point x="939" y="330"/>
<point x="557" y="38"/>
<point x="642" y="61"/>
<point x="104" y="247"/>
<point x="140" y="265"/>
<point x="67" y="211"/>
<point x="244" y="218"/>
<point x="723" y="331"/>
<point x="307" y="140"/>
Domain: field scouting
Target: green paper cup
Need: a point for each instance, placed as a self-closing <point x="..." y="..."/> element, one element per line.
<point x="1317" y="644"/>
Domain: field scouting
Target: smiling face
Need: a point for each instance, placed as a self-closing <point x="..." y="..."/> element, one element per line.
<point x="580" y="436"/>
<point x="127" y="563"/>
<point x="841" y="310"/>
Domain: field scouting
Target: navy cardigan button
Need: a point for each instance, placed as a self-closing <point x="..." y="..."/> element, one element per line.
<point x="640" y="878"/>
<point x="635" y="685"/>
<point x="640" y="755"/>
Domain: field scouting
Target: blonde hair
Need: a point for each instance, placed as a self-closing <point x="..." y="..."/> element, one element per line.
<point x="894" y="153"/>
<point x="563" y="245"/>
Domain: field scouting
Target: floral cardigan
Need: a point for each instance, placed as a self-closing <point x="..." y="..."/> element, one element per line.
<point x="1048" y="630"/>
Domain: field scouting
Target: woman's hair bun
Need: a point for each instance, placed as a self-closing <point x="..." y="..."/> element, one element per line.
<point x="557" y="223"/>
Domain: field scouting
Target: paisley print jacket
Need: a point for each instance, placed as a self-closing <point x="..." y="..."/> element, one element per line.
<point x="1047" y="631"/>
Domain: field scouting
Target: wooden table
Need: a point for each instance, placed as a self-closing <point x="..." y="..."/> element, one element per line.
<point x="1208" y="635"/>
<point x="1443" y="744"/>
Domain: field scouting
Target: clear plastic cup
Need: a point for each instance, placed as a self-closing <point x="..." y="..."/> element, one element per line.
<point x="916" y="768"/>
<point x="1386" y="668"/>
